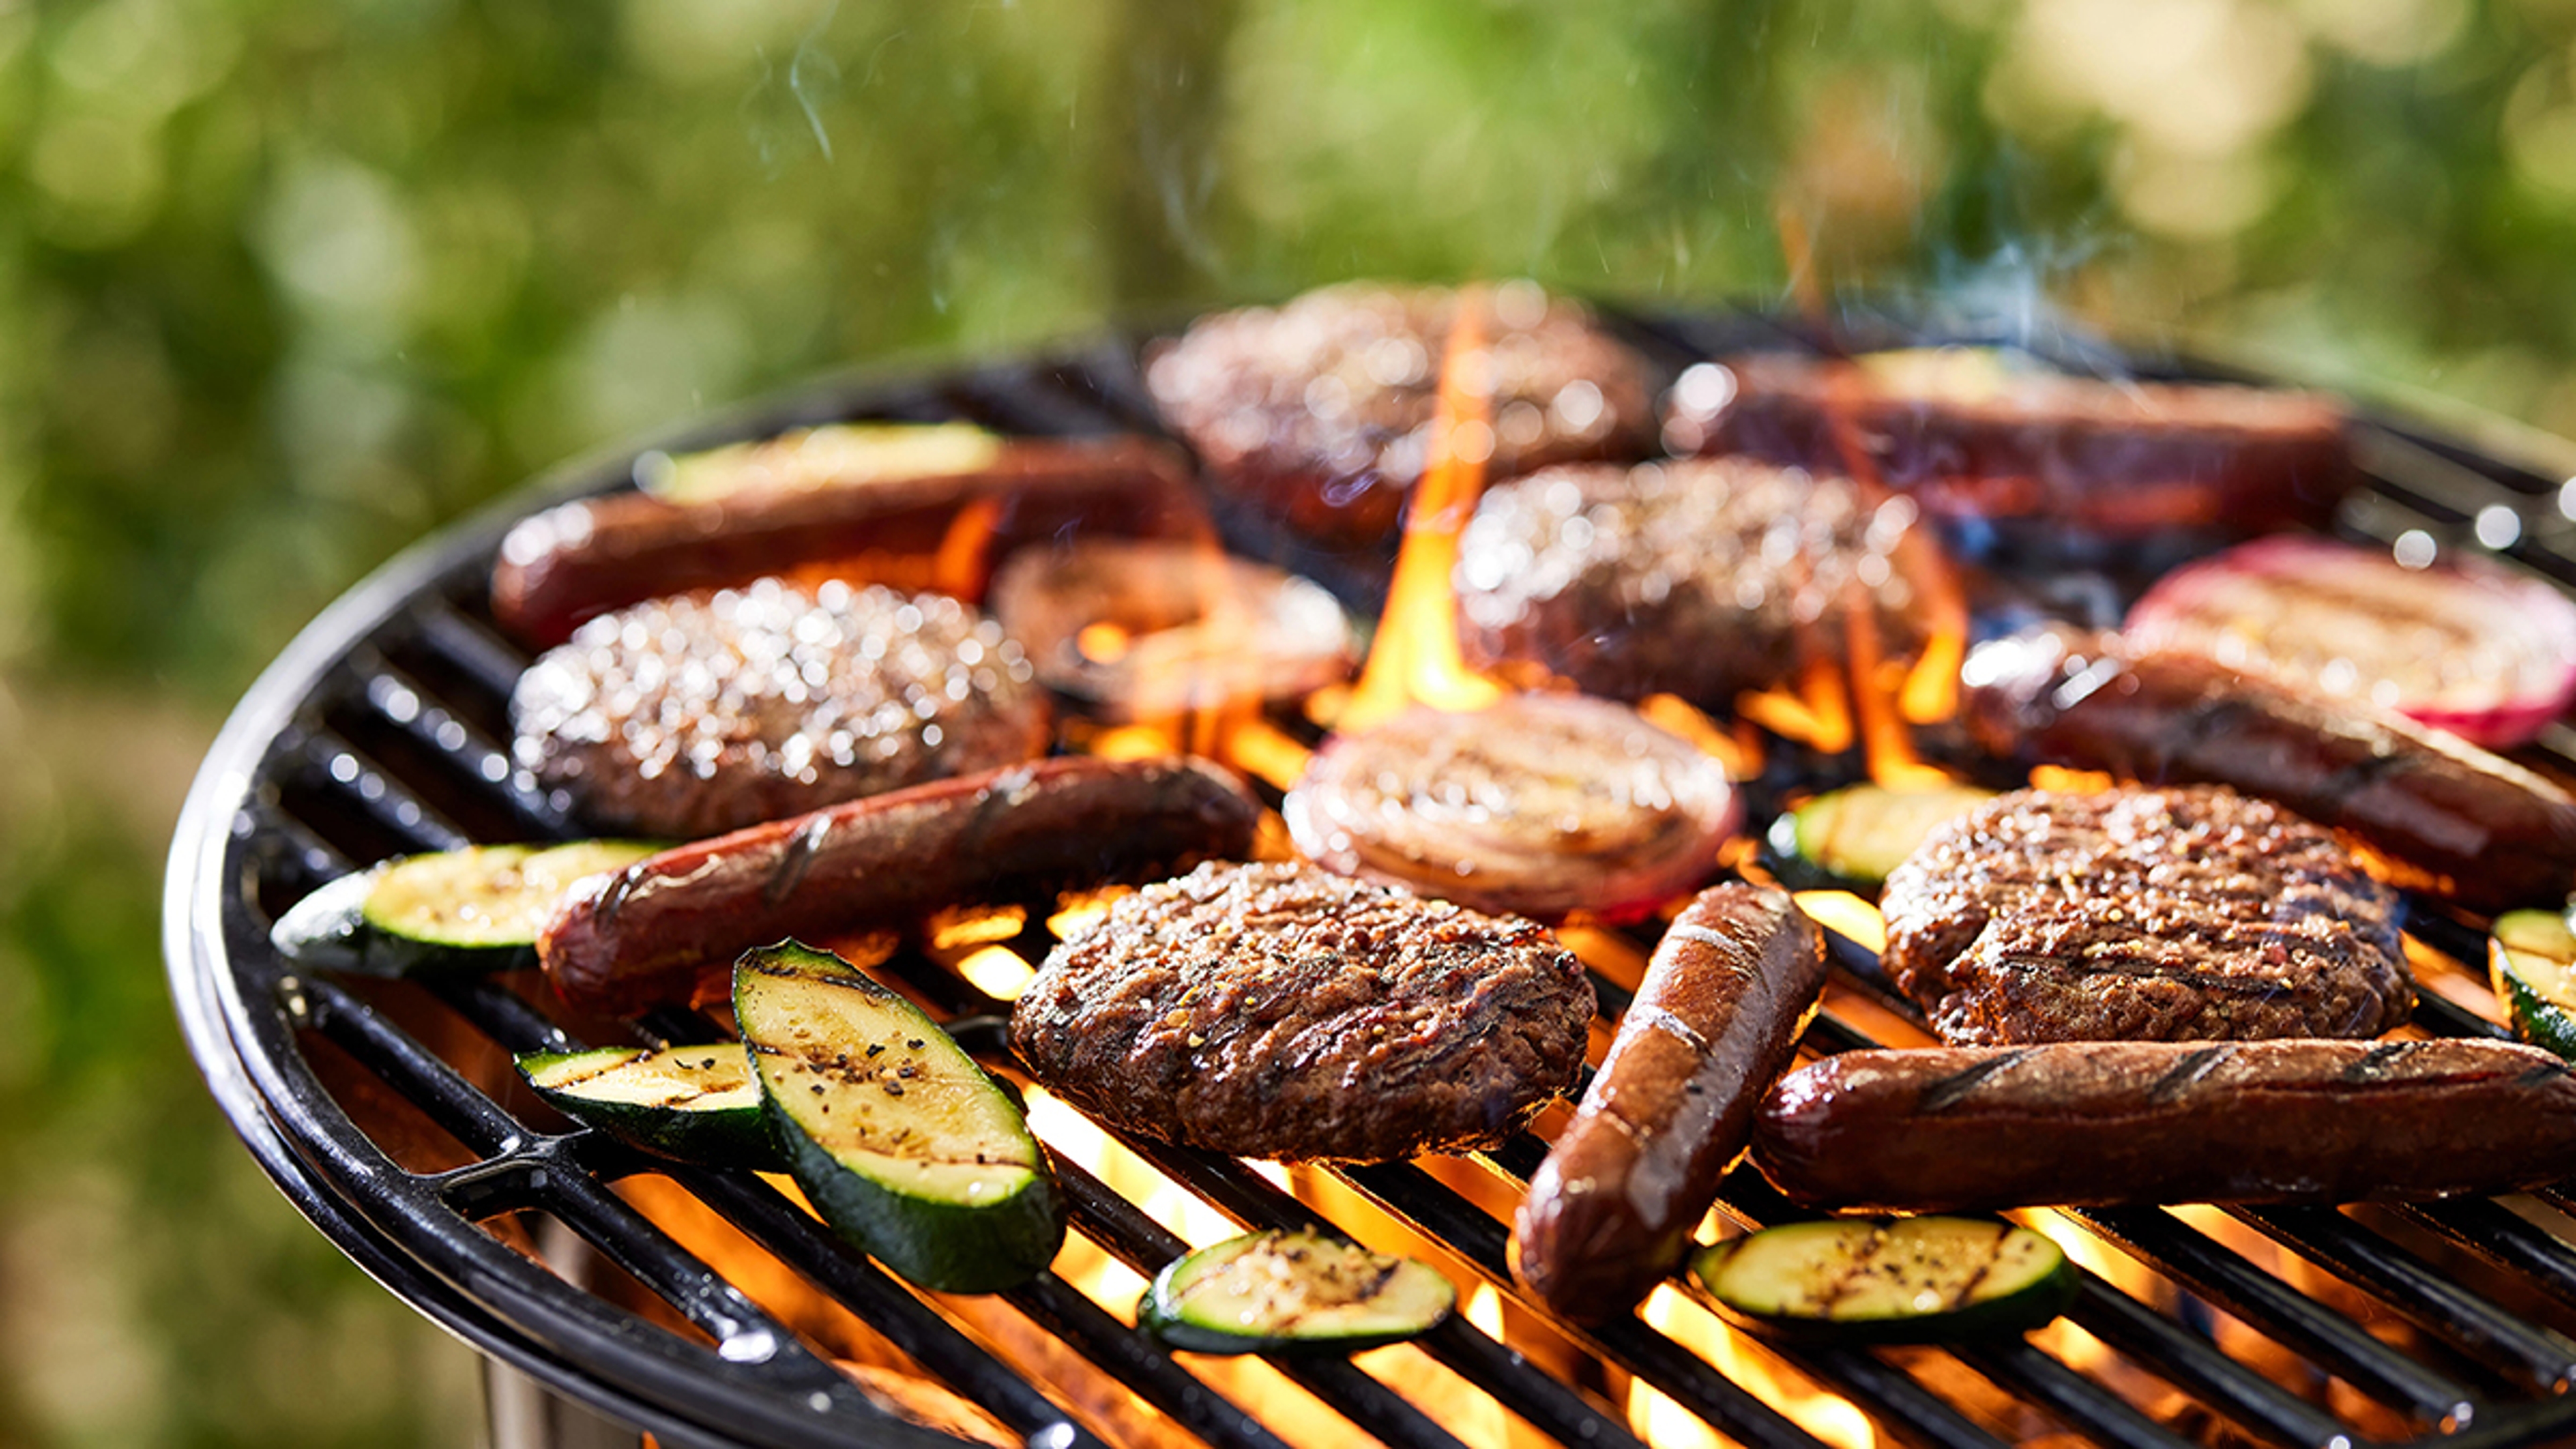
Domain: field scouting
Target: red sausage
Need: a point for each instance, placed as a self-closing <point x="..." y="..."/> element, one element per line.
<point x="648" y="933"/>
<point x="1610" y="1212"/>
<point x="595" y="554"/>
<point x="1952" y="1128"/>
<point x="2446" y="816"/>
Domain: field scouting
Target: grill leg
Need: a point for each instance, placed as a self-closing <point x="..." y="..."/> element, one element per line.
<point x="524" y="1414"/>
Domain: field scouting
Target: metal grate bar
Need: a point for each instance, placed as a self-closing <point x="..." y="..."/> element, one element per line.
<point x="2156" y="1238"/>
<point x="2103" y="1416"/>
<point x="2506" y="1239"/>
<point x="479" y="763"/>
<point x="330" y="764"/>
<point x="1135" y="1362"/>
<point x="791" y="1235"/>
<point x="1142" y="1244"/>
<point x="469" y="646"/>
<point x="2193" y="1362"/>
<point x="415" y="1071"/>
<point x="1891" y="1395"/>
<point x="1679" y="1374"/>
<point x="2423" y="1293"/>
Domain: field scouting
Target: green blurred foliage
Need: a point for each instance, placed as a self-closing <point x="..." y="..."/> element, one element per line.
<point x="284" y="284"/>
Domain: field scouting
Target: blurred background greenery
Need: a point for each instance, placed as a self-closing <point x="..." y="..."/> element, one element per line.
<point x="286" y="283"/>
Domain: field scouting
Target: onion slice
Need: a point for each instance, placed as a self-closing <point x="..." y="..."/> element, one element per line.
<point x="1144" y="628"/>
<point x="1542" y="805"/>
<point x="2467" y="646"/>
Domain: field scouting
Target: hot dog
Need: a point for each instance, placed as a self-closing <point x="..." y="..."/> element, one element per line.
<point x="1954" y="1128"/>
<point x="647" y="934"/>
<point x="2440" y="814"/>
<point x="577" y="559"/>
<point x="1717" y="1017"/>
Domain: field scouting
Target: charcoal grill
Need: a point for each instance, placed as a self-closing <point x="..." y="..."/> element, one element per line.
<point x="381" y="730"/>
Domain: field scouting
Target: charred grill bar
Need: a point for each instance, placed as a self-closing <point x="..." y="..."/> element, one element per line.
<point x="379" y="732"/>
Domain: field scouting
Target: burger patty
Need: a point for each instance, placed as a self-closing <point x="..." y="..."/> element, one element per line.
<point x="689" y="716"/>
<point x="1318" y="412"/>
<point x="1701" y="577"/>
<point x="2142" y="915"/>
<point x="1279" y="1011"/>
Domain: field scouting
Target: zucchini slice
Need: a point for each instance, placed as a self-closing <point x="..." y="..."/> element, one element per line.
<point x="2532" y="960"/>
<point x="696" y="1103"/>
<point x="902" y="1143"/>
<point x="473" y="910"/>
<point x="1849" y="839"/>
<point x="1282" y="1292"/>
<point x="1911" y="1280"/>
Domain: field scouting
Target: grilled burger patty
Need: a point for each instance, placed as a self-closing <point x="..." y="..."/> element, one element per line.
<point x="1279" y="1011"/>
<point x="1319" y="411"/>
<point x="2142" y="915"/>
<point x="1696" y="577"/>
<point x="684" y="716"/>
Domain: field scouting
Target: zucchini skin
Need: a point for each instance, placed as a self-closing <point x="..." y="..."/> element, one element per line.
<point x="942" y="1245"/>
<point x="735" y="1137"/>
<point x="1163" y="1313"/>
<point x="2527" y="948"/>
<point x="2030" y="1306"/>
<point x="345" y="925"/>
<point x="328" y="930"/>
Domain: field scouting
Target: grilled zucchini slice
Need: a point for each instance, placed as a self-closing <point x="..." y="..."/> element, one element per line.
<point x="695" y="1103"/>
<point x="1911" y="1280"/>
<point x="1849" y="839"/>
<point x="2532" y="960"/>
<point x="898" y="1138"/>
<point x="1282" y="1292"/>
<point x="466" y="911"/>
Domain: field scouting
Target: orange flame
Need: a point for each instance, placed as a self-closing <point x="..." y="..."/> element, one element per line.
<point x="1416" y="658"/>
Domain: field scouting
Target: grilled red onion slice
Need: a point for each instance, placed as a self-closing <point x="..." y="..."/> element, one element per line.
<point x="1148" y="627"/>
<point x="1540" y="806"/>
<point x="2467" y="646"/>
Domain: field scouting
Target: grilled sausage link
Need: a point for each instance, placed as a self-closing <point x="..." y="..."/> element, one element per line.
<point x="1610" y="1212"/>
<point x="2123" y="1122"/>
<point x="649" y="933"/>
<point x="2439" y="814"/>
<point x="586" y="557"/>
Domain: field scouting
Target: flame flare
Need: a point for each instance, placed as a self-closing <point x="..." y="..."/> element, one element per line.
<point x="1416" y="658"/>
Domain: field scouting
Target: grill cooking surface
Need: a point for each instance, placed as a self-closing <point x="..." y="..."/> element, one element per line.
<point x="384" y="728"/>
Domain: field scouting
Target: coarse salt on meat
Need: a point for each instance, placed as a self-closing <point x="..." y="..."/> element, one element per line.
<point x="687" y="716"/>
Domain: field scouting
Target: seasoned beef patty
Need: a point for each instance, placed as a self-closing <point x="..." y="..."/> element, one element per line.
<point x="688" y="716"/>
<point x="1702" y="577"/>
<point x="1280" y="1011"/>
<point x="1318" y="412"/>
<point x="2142" y="915"/>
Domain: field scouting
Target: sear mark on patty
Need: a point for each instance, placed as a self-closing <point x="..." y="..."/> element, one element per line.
<point x="2148" y="915"/>
<point x="1280" y="1011"/>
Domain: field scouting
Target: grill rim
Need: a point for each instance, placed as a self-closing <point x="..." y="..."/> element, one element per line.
<point x="236" y="1040"/>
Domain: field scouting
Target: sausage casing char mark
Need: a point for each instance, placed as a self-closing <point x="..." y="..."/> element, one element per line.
<point x="649" y="933"/>
<point x="1733" y="982"/>
<point x="2447" y="817"/>
<point x="1955" y="1128"/>
<point x="591" y="555"/>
